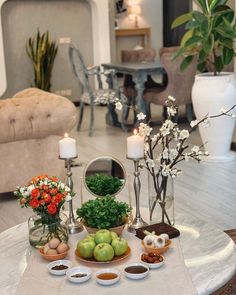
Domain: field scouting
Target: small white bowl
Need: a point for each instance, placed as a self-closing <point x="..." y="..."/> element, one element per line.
<point x="61" y="272"/>
<point x="136" y="276"/>
<point x="78" y="270"/>
<point x="154" y="265"/>
<point x="107" y="282"/>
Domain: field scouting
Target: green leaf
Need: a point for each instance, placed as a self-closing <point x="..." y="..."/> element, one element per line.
<point x="182" y="19"/>
<point x="185" y="37"/>
<point x="186" y="62"/>
<point x="202" y="56"/>
<point x="208" y="45"/>
<point x="204" y="28"/>
<point x="201" y="67"/>
<point x="227" y="55"/>
<point x="216" y="3"/>
<point x="192" y="24"/>
<point x="199" y="16"/>
<point x="193" y="41"/>
<point x="202" y="5"/>
<point x="219" y="64"/>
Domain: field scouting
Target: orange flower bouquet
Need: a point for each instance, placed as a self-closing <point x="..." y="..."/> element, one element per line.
<point x="46" y="196"/>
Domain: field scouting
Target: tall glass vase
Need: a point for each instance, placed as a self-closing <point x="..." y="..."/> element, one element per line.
<point x="41" y="232"/>
<point x="161" y="199"/>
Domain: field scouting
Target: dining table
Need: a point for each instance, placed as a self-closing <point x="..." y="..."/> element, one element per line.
<point x="139" y="72"/>
<point x="208" y="254"/>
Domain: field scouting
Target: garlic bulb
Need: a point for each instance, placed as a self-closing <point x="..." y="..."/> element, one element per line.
<point x="165" y="236"/>
<point x="148" y="240"/>
<point x="159" y="242"/>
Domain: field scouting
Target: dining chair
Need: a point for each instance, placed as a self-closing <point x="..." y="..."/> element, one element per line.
<point x="90" y="95"/>
<point x="179" y="83"/>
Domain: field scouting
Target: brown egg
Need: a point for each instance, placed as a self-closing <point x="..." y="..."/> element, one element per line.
<point x="63" y="247"/>
<point x="52" y="252"/>
<point x="53" y="243"/>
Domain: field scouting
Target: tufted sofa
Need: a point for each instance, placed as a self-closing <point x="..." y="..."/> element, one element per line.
<point x="31" y="124"/>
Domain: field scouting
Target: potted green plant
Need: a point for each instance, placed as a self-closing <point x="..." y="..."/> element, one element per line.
<point x="210" y="32"/>
<point x="42" y="51"/>
<point x="101" y="184"/>
<point x="104" y="213"/>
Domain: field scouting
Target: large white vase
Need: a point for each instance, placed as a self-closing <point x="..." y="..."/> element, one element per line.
<point x="209" y="95"/>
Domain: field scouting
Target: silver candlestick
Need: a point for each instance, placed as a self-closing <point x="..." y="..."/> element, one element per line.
<point x="138" y="221"/>
<point x="74" y="225"/>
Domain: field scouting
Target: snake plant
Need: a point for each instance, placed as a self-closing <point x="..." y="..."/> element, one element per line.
<point x="42" y="51"/>
<point x="210" y="35"/>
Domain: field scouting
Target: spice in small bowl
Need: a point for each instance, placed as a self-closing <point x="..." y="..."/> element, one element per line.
<point x="108" y="276"/>
<point x="78" y="274"/>
<point x="136" y="271"/>
<point x="59" y="267"/>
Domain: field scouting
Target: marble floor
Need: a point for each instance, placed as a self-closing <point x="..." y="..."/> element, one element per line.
<point x="205" y="190"/>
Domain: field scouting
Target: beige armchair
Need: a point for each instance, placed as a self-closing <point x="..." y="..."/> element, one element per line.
<point x="31" y="124"/>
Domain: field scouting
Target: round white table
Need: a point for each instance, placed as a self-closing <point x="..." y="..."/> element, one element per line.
<point x="209" y="254"/>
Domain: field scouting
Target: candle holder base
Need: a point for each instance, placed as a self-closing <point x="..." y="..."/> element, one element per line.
<point x="137" y="223"/>
<point x="75" y="227"/>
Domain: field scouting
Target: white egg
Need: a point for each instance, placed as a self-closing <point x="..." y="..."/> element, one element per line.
<point x="53" y="243"/>
<point x="63" y="247"/>
<point x="148" y="240"/>
<point x="159" y="242"/>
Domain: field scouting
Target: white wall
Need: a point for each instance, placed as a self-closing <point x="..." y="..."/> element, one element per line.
<point x="151" y="16"/>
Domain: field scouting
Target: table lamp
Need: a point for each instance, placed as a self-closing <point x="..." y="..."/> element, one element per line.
<point x="134" y="10"/>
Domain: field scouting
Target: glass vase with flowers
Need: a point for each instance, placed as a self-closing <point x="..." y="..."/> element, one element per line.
<point x="162" y="152"/>
<point x="46" y="196"/>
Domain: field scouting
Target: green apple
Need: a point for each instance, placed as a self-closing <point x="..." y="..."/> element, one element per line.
<point x="103" y="236"/>
<point x="113" y="235"/>
<point x="90" y="236"/>
<point x="86" y="248"/>
<point x="119" y="245"/>
<point x="103" y="252"/>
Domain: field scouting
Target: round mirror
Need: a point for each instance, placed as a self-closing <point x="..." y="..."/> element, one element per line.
<point x="104" y="176"/>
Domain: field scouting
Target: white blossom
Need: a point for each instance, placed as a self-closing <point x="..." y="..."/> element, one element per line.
<point x="195" y="149"/>
<point x="167" y="126"/>
<point x="141" y="116"/>
<point x="30" y="188"/>
<point x="165" y="154"/>
<point x="119" y="105"/>
<point x="173" y="154"/>
<point x="194" y="123"/>
<point x="68" y="198"/>
<point x="150" y="162"/>
<point x="171" y="98"/>
<point x="223" y="110"/>
<point x="144" y="129"/>
<point x="155" y="137"/>
<point x="67" y="189"/>
<point x="206" y="123"/>
<point x="183" y="134"/>
<point x="165" y="170"/>
<point x="171" y="111"/>
<point x="206" y="153"/>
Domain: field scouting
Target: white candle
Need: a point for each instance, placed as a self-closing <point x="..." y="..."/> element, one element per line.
<point x="67" y="147"/>
<point x="135" y="146"/>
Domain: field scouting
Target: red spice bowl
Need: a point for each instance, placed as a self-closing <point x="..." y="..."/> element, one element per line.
<point x="150" y="249"/>
<point x="53" y="257"/>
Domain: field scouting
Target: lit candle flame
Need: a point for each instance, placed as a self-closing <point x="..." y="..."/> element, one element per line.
<point x="135" y="131"/>
<point x="66" y="135"/>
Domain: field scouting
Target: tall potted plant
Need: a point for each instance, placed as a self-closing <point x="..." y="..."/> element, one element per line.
<point x="210" y="32"/>
<point x="42" y="51"/>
